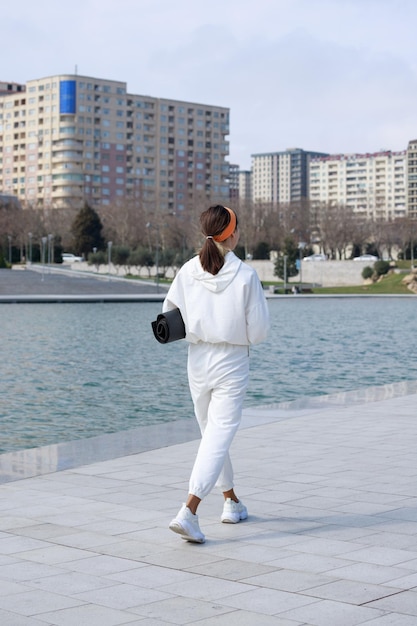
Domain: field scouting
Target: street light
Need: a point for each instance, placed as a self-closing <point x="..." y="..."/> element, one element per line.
<point x="149" y="225"/>
<point x="109" y="245"/>
<point x="43" y="249"/>
<point x="301" y="247"/>
<point x="9" y="237"/>
<point x="50" y="249"/>
<point x="285" y="273"/>
<point x="30" y="247"/>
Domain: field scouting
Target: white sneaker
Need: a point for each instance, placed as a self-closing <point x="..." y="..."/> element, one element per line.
<point x="233" y="512"/>
<point x="186" y="525"/>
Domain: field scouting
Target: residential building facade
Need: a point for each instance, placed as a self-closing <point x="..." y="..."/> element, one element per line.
<point x="281" y="177"/>
<point x="240" y="184"/>
<point x="372" y="185"/>
<point x="67" y="139"/>
<point x="6" y="88"/>
<point x="245" y="185"/>
<point x="412" y="178"/>
<point x="234" y="181"/>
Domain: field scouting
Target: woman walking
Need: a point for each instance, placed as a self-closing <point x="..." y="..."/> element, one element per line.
<point x="224" y="310"/>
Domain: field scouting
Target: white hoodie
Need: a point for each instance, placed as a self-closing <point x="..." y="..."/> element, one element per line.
<point x="229" y="307"/>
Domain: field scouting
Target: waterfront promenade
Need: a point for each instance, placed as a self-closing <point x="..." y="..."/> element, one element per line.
<point x="62" y="284"/>
<point x="331" y="539"/>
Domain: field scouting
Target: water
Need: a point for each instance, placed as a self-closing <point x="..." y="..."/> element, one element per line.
<point x="71" y="371"/>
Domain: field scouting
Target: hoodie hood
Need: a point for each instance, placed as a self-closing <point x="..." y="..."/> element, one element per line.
<point x="219" y="282"/>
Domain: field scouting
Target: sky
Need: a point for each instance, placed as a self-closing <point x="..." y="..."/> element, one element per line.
<point x="335" y="76"/>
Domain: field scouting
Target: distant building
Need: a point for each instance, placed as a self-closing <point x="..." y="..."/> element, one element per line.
<point x="6" y="88"/>
<point x="234" y="182"/>
<point x="240" y="184"/>
<point x="412" y="178"/>
<point x="281" y="176"/>
<point x="245" y="185"/>
<point x="372" y="185"/>
<point x="67" y="139"/>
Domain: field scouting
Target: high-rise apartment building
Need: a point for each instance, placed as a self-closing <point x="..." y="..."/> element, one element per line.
<point x="67" y="139"/>
<point x="372" y="185"/>
<point x="234" y="181"/>
<point x="412" y="178"/>
<point x="281" y="176"/>
<point x="245" y="185"/>
<point x="240" y="184"/>
<point x="6" y="88"/>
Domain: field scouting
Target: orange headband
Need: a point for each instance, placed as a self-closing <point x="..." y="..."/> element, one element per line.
<point x="230" y="228"/>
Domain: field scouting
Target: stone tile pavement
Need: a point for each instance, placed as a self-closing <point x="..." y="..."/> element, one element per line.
<point x="331" y="538"/>
<point x="43" y="283"/>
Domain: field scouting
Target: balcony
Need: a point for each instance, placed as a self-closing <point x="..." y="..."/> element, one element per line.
<point x="60" y="157"/>
<point x="67" y="192"/>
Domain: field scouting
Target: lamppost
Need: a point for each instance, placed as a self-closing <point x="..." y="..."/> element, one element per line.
<point x="30" y="247"/>
<point x="50" y="250"/>
<point x="301" y="247"/>
<point x="285" y="273"/>
<point x="43" y="249"/>
<point x="149" y="225"/>
<point x="109" y="245"/>
<point x="9" y="237"/>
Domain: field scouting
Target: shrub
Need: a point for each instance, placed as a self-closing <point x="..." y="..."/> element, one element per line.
<point x="367" y="272"/>
<point x="97" y="259"/>
<point x="381" y="267"/>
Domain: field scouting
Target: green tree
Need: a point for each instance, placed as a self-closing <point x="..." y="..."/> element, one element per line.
<point x="240" y="252"/>
<point x="86" y="231"/>
<point x="290" y="250"/>
<point x="261" y="251"/>
<point x="141" y="257"/>
<point x="3" y="263"/>
<point x="97" y="259"/>
<point x="120" y="256"/>
<point x="166" y="260"/>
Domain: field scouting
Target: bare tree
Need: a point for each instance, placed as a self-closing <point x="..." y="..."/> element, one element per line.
<point x="124" y="222"/>
<point x="379" y="235"/>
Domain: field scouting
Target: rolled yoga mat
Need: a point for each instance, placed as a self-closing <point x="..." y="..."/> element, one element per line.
<point x="169" y="326"/>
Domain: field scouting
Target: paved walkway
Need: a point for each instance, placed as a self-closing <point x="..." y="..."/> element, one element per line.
<point x="62" y="284"/>
<point x="331" y="538"/>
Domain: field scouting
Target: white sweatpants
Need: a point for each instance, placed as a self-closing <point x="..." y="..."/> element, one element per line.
<point x="218" y="376"/>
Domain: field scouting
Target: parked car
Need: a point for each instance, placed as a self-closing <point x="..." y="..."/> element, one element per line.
<point x="71" y="258"/>
<point x="316" y="257"/>
<point x="366" y="257"/>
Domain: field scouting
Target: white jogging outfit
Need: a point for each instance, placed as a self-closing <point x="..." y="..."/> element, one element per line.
<point x="223" y="315"/>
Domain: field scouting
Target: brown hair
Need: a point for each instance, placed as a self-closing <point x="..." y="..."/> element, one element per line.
<point x="213" y="222"/>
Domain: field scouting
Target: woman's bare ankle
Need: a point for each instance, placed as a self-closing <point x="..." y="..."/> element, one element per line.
<point x="230" y="494"/>
<point x="192" y="503"/>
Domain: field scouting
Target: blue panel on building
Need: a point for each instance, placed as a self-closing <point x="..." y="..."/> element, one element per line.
<point x="67" y="97"/>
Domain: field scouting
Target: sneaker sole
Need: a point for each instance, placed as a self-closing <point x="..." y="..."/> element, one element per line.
<point x="233" y="520"/>
<point x="177" y="528"/>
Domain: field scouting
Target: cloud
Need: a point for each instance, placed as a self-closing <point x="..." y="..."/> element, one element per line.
<point x="318" y="74"/>
<point x="295" y="90"/>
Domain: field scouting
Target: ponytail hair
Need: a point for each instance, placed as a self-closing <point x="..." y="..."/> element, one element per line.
<point x="216" y="222"/>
